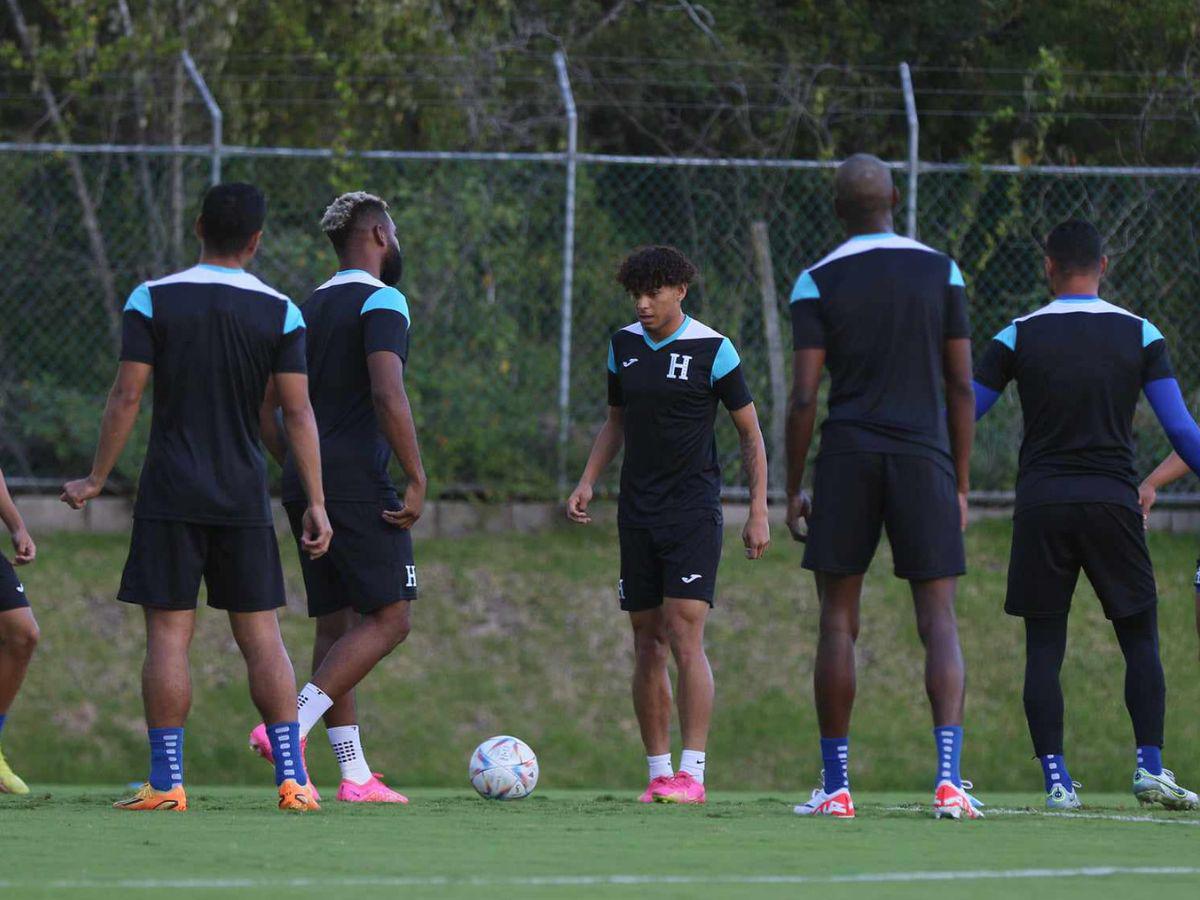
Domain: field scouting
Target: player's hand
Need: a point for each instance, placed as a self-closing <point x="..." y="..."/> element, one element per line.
<point x="414" y="504"/>
<point x="24" y="546"/>
<point x="962" y="511"/>
<point x="577" y="504"/>
<point x="799" y="507"/>
<point x="756" y="535"/>
<point x="1147" y="497"/>
<point x="77" y="493"/>
<point x="317" y="532"/>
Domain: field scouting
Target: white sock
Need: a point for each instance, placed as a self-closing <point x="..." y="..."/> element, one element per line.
<point x="660" y="766"/>
<point x="310" y="706"/>
<point x="349" y="752"/>
<point x="692" y="762"/>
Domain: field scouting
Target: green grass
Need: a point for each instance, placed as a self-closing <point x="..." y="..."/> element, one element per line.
<point x="66" y="842"/>
<point x="522" y="634"/>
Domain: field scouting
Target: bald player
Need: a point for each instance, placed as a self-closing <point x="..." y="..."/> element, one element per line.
<point x="888" y="317"/>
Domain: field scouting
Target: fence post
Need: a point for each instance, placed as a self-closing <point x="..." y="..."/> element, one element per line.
<point x="214" y="113"/>
<point x="914" y="135"/>
<point x="564" y="339"/>
<point x="761" y="239"/>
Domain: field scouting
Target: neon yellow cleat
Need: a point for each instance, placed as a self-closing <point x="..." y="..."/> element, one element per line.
<point x="10" y="781"/>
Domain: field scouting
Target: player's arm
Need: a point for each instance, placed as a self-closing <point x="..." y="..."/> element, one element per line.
<point x="807" y="363"/>
<point x="22" y="543"/>
<point x="1166" y="399"/>
<point x="395" y="417"/>
<point x="270" y="425"/>
<point x="120" y="414"/>
<point x="960" y="414"/>
<point x="604" y="450"/>
<point x="300" y="426"/>
<point x="757" y="533"/>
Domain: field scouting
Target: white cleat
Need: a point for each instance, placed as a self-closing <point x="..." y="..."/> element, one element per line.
<point x="1162" y="789"/>
<point x="839" y="805"/>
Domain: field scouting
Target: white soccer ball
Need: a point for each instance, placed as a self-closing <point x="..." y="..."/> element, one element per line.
<point x="503" y="768"/>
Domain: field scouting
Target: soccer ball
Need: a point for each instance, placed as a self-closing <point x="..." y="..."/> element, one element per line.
<point x="503" y="768"/>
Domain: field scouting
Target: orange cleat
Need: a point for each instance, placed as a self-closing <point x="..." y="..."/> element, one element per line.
<point x="294" y="798"/>
<point x="149" y="799"/>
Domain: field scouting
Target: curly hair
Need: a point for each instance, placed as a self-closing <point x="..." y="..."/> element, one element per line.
<point x="651" y="267"/>
<point x="346" y="213"/>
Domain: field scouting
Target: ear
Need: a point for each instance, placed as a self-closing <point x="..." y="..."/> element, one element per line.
<point x="895" y="197"/>
<point x="1048" y="267"/>
<point x="198" y="228"/>
<point x="1103" y="266"/>
<point x="380" y="233"/>
<point x="252" y="245"/>
<point x="683" y="289"/>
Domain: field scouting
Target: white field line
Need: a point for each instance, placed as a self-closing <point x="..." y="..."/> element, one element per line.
<point x="596" y="880"/>
<point x="1107" y="817"/>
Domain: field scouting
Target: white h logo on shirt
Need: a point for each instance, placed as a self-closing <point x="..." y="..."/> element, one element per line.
<point x="412" y="576"/>
<point x="679" y="367"/>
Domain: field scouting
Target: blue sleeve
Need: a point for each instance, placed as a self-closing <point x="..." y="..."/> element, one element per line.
<point x="139" y="301"/>
<point x="726" y="361"/>
<point x="387" y="298"/>
<point x="293" y="318"/>
<point x="1166" y="399"/>
<point x="805" y="288"/>
<point x="137" y="330"/>
<point x="985" y="399"/>
<point x="612" y="359"/>
<point x="385" y="323"/>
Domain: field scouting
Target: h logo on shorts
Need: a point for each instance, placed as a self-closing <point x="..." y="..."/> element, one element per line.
<point x="679" y="367"/>
<point x="412" y="576"/>
<point x="620" y="588"/>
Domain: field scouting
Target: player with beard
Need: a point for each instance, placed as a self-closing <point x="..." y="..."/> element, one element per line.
<point x="360" y="593"/>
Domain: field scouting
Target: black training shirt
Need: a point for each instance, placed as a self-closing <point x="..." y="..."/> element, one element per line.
<point x="349" y="317"/>
<point x="669" y="392"/>
<point x="1080" y="364"/>
<point x="882" y="306"/>
<point x="214" y="336"/>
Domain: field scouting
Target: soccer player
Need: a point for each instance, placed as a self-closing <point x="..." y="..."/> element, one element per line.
<point x="1080" y="364"/>
<point x="666" y="374"/>
<point x="359" y="593"/>
<point x="212" y="336"/>
<point x="18" y="628"/>
<point x="888" y="316"/>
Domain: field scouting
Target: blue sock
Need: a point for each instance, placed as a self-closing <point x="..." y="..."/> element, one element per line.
<point x="1149" y="758"/>
<point x="835" y="754"/>
<point x="1054" y="770"/>
<point x="166" y="758"/>
<point x="3" y="716"/>
<point x="949" y="744"/>
<point x="285" y="745"/>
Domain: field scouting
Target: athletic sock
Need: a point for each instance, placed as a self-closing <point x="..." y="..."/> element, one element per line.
<point x="166" y="758"/>
<point x="285" y="747"/>
<point x="660" y="766"/>
<point x="3" y="716"/>
<point x="310" y="706"/>
<point x="347" y="747"/>
<point x="692" y="762"/>
<point x="1150" y="758"/>
<point x="949" y="744"/>
<point x="835" y="754"/>
<point x="1054" y="770"/>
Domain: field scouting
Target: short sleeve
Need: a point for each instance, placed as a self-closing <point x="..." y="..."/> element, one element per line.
<point x="290" y="353"/>
<point x="385" y="319"/>
<point x="956" y="322"/>
<point x="137" y="327"/>
<point x="616" y="396"/>
<point x="808" y="324"/>
<point x="996" y="367"/>
<point x="728" y="379"/>
<point x="1156" y="363"/>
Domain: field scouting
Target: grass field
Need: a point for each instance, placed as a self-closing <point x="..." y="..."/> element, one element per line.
<point x="65" y="842"/>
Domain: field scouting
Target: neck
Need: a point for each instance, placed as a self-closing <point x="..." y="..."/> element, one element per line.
<point x="354" y="258"/>
<point x="668" y="329"/>
<point x="1079" y="287"/>
<point x="875" y="224"/>
<point x="224" y="260"/>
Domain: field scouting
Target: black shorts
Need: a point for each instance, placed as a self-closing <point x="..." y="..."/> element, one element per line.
<point x="1051" y="543"/>
<point x="677" y="560"/>
<point x="369" y="564"/>
<point x="12" y="592"/>
<point x="240" y="566"/>
<point x="855" y="495"/>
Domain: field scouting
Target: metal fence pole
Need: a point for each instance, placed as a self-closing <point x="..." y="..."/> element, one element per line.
<point x="564" y="340"/>
<point x="214" y="113"/>
<point x="914" y="135"/>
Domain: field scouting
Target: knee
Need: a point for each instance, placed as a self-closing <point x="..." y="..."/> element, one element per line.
<point x="685" y="638"/>
<point x="938" y="623"/>
<point x="394" y="624"/>
<point x="650" y="647"/>
<point x="21" y="640"/>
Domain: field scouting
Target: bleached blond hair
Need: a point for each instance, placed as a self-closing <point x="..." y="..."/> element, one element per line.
<point x="339" y="218"/>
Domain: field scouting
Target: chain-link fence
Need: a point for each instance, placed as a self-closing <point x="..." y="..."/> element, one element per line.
<point x="484" y="239"/>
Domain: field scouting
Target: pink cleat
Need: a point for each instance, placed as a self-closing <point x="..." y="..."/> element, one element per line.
<point x="661" y="783"/>
<point x="261" y="744"/>
<point x="952" y="802"/>
<point x="681" y="788"/>
<point x="838" y="805"/>
<point x="373" y="791"/>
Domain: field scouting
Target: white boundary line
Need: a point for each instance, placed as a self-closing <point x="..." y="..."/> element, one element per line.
<point x="599" y="880"/>
<point x="1106" y="817"/>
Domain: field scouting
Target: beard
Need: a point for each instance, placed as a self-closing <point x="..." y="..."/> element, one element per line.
<point x="393" y="266"/>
